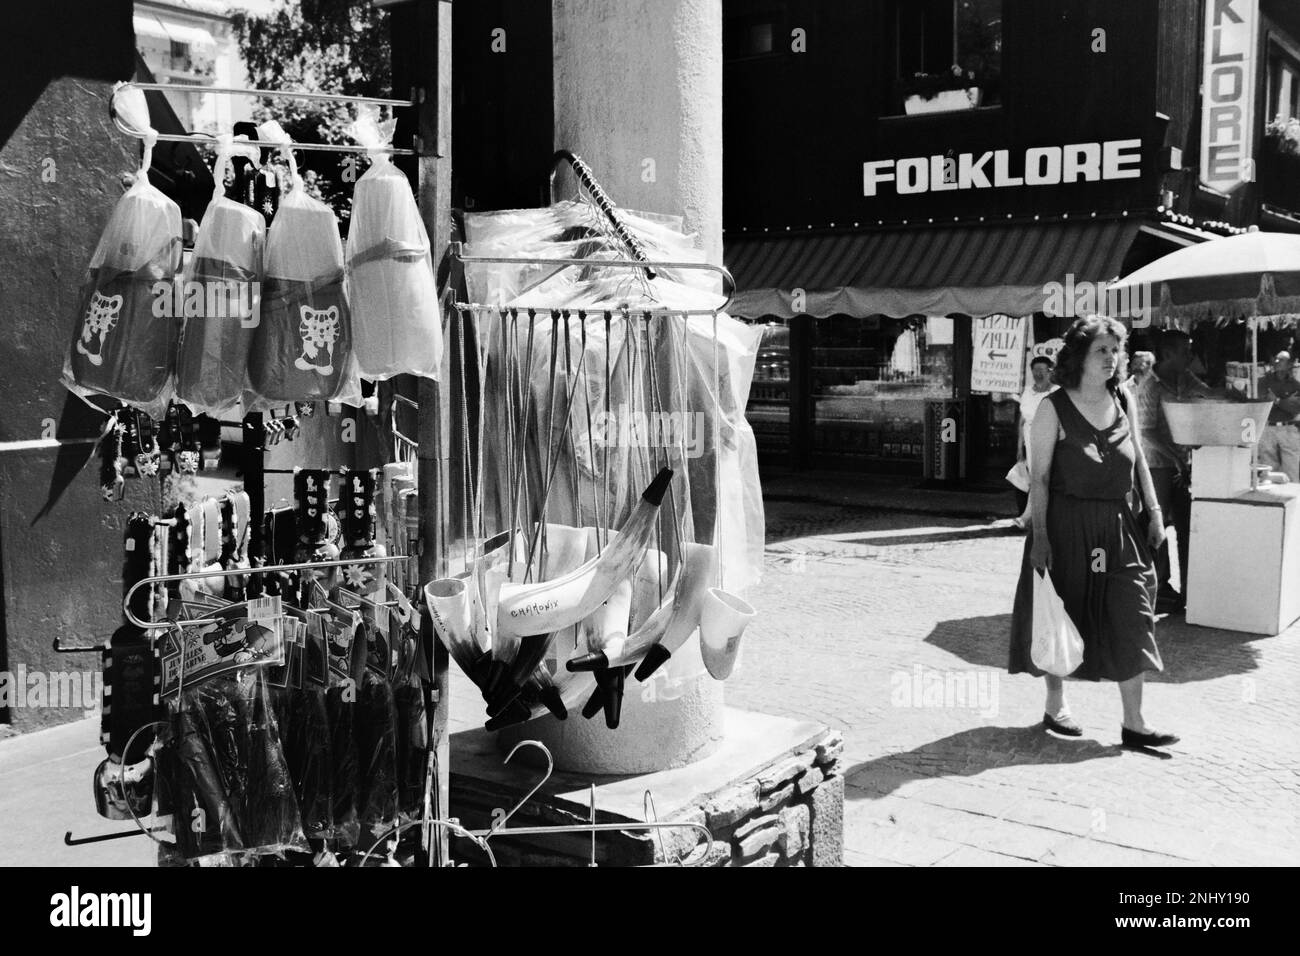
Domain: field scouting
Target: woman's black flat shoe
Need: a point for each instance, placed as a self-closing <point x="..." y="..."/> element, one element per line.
<point x="1065" y="726"/>
<point x="1132" y="738"/>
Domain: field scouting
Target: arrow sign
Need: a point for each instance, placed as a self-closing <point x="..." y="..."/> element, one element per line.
<point x="998" y="339"/>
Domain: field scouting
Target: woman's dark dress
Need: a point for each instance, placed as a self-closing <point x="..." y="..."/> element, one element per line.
<point x="1101" y="562"/>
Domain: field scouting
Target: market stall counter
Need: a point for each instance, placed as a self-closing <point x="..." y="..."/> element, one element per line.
<point x="1246" y="546"/>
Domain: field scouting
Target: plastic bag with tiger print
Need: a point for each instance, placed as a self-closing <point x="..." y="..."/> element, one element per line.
<point x="302" y="348"/>
<point x="125" y="334"/>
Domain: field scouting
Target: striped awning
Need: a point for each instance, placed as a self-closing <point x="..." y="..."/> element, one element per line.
<point x="965" y="270"/>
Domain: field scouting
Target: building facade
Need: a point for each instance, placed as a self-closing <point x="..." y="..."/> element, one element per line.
<point x="916" y="187"/>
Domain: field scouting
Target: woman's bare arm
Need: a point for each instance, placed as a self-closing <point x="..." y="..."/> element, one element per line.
<point x="1143" y="471"/>
<point x="1042" y="437"/>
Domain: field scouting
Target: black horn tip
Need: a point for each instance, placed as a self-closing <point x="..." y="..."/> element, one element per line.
<point x="588" y="662"/>
<point x="614" y="699"/>
<point x="554" y="702"/>
<point x="594" y="703"/>
<point x="654" y="659"/>
<point x="516" y="713"/>
<point x="655" y="493"/>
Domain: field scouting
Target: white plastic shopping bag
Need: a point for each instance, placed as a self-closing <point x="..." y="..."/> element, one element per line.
<point x="396" y="324"/>
<point x="1057" y="647"/>
<point x="1018" y="476"/>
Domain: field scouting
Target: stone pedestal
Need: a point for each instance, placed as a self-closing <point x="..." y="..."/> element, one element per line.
<point x="771" y="795"/>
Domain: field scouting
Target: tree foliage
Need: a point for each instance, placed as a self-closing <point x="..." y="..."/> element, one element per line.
<point x="317" y="46"/>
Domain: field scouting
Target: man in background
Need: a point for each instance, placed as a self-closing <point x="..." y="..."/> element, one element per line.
<point x="1140" y="368"/>
<point x="1279" y="446"/>
<point x="1170" y="380"/>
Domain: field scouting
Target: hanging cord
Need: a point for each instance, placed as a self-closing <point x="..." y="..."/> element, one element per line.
<point x="591" y="446"/>
<point x="523" y="440"/>
<point x="508" y="350"/>
<point x="539" y="534"/>
<point x="666" y="460"/>
<point x="573" y="444"/>
<point x="467" y="465"/>
<point x="717" y="450"/>
<point x="564" y="434"/>
<point x="603" y="524"/>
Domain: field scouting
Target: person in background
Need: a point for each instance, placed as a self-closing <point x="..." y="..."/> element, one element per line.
<point x="1140" y="368"/>
<point x="1279" y="446"/>
<point x="1085" y="536"/>
<point x="1039" y="387"/>
<point x="1170" y="380"/>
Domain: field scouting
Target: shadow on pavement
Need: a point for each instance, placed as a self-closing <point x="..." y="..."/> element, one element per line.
<point x="937" y="537"/>
<point x="1190" y="653"/>
<point x="969" y="753"/>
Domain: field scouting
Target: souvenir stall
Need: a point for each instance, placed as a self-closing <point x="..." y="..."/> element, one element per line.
<point x="1245" y="529"/>
<point x="273" y="696"/>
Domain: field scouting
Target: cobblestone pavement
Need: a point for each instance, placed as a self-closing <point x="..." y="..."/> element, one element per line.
<point x="894" y="627"/>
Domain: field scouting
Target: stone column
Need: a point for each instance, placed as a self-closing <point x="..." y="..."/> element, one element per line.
<point x="638" y="95"/>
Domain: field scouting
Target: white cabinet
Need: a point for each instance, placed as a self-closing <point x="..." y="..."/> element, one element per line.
<point x="1244" y="566"/>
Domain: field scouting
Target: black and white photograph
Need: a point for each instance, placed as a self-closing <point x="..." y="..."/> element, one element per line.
<point x="516" y="434"/>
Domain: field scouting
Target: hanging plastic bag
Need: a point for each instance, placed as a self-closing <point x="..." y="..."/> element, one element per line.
<point x="1018" y="476"/>
<point x="302" y="347"/>
<point x="125" y="335"/>
<point x="221" y="296"/>
<point x="396" y="324"/>
<point x="271" y="819"/>
<point x="1057" y="647"/>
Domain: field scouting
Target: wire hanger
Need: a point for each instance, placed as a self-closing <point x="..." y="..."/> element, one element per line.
<point x="211" y="140"/>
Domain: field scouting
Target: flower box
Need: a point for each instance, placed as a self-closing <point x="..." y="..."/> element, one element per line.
<point x="943" y="101"/>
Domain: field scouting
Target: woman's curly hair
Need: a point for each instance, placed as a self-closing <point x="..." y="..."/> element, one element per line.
<point x="1078" y="341"/>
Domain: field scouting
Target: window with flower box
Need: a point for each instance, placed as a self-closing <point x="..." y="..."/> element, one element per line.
<point x="947" y="54"/>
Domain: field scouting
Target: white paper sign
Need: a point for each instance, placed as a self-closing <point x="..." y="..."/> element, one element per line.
<point x="998" y="363"/>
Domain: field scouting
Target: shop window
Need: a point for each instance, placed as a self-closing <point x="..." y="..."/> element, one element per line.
<point x="871" y="380"/>
<point x="947" y="54"/>
<point x="1277" y="167"/>
<point x="1283" y="84"/>
<point x="754" y="34"/>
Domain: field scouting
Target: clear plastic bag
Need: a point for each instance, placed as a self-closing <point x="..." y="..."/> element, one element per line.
<point x="124" y="339"/>
<point x="1057" y="647"/>
<point x="224" y="281"/>
<point x="396" y="323"/>
<point x="302" y="347"/>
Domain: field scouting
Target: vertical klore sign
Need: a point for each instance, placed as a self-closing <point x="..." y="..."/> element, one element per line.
<point x="1228" y="93"/>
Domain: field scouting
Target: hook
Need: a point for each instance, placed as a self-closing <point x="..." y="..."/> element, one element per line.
<point x="592" y="817"/>
<point x="550" y="768"/>
<point x="70" y="840"/>
<point x="78" y="650"/>
<point x="453" y="825"/>
<point x="652" y="816"/>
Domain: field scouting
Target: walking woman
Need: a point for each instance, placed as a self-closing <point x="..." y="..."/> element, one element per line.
<point x="1088" y="468"/>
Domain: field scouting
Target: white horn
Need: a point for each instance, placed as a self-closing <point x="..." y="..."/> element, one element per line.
<point x="551" y="606"/>
<point x="722" y="622"/>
